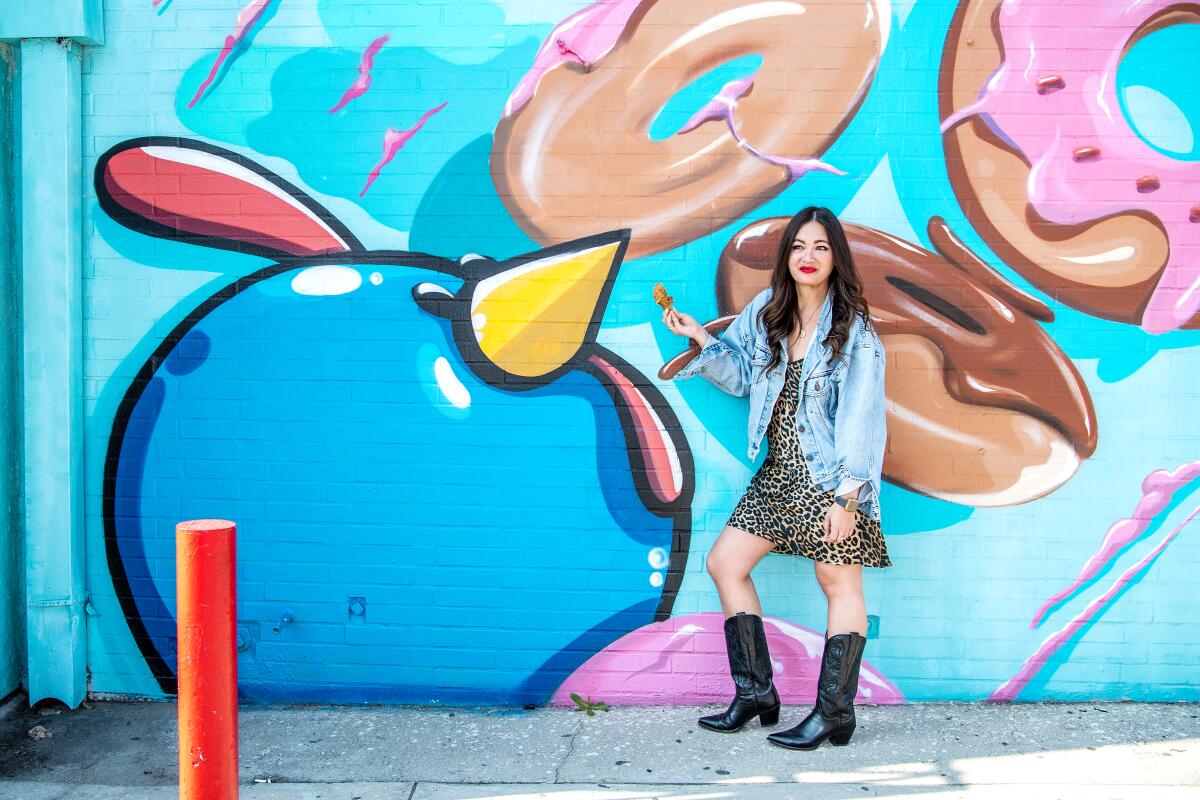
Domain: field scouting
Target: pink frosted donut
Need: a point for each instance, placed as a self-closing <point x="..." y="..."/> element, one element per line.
<point x="1054" y="99"/>
<point x="682" y="661"/>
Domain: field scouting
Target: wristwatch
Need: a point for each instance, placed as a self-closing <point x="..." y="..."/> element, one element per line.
<point x="847" y="503"/>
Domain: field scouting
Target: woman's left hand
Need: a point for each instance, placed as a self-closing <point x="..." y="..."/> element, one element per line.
<point x="839" y="524"/>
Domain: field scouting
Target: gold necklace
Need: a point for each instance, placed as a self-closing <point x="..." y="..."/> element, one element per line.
<point x="810" y="316"/>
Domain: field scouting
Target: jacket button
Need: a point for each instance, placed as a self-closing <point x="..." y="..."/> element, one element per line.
<point x="808" y="457"/>
<point x="800" y="428"/>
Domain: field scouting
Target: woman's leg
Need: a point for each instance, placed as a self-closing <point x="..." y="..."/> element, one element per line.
<point x="729" y="562"/>
<point x="842" y="584"/>
<point x="833" y="716"/>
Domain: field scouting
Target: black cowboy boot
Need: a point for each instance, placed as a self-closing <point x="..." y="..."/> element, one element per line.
<point x="833" y="716"/>
<point x="750" y="666"/>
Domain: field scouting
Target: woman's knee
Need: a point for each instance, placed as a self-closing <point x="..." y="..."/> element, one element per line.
<point x="720" y="570"/>
<point x="838" y="581"/>
<point x="713" y="564"/>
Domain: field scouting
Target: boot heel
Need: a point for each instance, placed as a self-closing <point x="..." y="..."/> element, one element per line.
<point x="841" y="738"/>
<point x="769" y="718"/>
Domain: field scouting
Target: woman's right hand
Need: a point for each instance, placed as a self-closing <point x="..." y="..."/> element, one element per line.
<point x="685" y="325"/>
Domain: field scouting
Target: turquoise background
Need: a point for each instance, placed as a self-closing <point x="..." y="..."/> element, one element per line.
<point x="953" y="614"/>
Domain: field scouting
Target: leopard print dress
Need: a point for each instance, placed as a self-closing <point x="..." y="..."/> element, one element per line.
<point x="782" y="505"/>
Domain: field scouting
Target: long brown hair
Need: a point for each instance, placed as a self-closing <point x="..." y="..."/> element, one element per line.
<point x="781" y="314"/>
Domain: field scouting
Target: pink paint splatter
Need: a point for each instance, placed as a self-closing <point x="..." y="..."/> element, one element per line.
<point x="393" y="140"/>
<point x="246" y="19"/>
<point x="722" y="107"/>
<point x="1157" y="490"/>
<point x="682" y="661"/>
<point x="1034" y="664"/>
<point x="585" y="36"/>
<point x="566" y="50"/>
<point x="1048" y="127"/>
<point x="363" y="82"/>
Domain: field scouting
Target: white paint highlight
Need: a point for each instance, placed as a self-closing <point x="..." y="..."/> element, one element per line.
<point x="326" y="280"/>
<point x="451" y="387"/>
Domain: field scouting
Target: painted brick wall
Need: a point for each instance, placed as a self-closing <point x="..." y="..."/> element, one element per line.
<point x="432" y="396"/>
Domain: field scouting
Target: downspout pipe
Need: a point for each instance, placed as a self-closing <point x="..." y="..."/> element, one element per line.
<point x="12" y="560"/>
<point x="49" y="199"/>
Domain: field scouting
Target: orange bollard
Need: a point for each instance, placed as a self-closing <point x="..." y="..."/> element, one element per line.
<point x="207" y="617"/>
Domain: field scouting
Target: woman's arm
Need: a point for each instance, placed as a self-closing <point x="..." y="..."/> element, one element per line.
<point x="724" y="361"/>
<point x="860" y="421"/>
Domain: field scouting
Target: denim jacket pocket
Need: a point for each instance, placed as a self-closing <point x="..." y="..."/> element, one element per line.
<point x="819" y="384"/>
<point x="818" y="399"/>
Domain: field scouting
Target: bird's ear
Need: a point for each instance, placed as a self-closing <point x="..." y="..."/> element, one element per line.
<point x="195" y="192"/>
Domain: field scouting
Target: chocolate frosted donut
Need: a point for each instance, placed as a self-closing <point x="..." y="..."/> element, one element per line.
<point x="573" y="153"/>
<point x="1106" y="240"/>
<point x="983" y="407"/>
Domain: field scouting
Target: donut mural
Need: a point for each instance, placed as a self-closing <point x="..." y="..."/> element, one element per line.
<point x="961" y="343"/>
<point x="375" y="281"/>
<point x="1105" y="223"/>
<point x="603" y="75"/>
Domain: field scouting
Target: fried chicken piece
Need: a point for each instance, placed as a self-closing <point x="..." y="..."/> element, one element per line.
<point x="661" y="297"/>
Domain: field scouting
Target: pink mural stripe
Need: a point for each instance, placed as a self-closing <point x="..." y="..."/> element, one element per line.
<point x="682" y="661"/>
<point x="1157" y="490"/>
<point x="393" y="140"/>
<point x="1086" y="162"/>
<point x="657" y="450"/>
<point x="363" y="82"/>
<point x="1034" y="664"/>
<point x="246" y="19"/>
<point x="200" y="193"/>
<point x="584" y="37"/>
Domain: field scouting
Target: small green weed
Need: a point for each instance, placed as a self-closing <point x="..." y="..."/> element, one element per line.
<point x="590" y="706"/>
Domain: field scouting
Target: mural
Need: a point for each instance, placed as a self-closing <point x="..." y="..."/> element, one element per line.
<point x="374" y="429"/>
<point x="465" y="478"/>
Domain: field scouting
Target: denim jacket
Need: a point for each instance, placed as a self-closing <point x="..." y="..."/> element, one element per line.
<point x="840" y="420"/>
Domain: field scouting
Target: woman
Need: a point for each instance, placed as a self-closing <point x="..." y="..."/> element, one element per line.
<point x="805" y="352"/>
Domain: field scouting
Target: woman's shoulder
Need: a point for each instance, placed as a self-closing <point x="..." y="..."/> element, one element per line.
<point x="753" y="310"/>
<point x="762" y="298"/>
<point x="862" y="333"/>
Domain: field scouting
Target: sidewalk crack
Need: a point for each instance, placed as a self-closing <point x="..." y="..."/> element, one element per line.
<point x="570" y="748"/>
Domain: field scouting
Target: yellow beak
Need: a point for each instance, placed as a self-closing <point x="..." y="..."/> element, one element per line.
<point x="533" y="318"/>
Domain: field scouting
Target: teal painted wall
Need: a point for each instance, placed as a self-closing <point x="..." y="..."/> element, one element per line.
<point x="81" y="20"/>
<point x="416" y="506"/>
<point x="12" y="625"/>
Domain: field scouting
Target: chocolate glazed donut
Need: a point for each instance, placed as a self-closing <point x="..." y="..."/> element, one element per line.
<point x="577" y="156"/>
<point x="1076" y="264"/>
<point x="983" y="408"/>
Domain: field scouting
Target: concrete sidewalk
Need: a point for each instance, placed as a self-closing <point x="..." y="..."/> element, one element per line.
<point x="1124" y="751"/>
